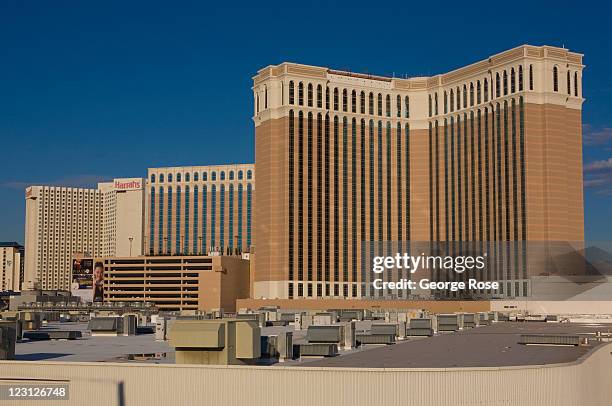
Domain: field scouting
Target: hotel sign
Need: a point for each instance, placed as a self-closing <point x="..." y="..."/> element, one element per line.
<point x="124" y="185"/>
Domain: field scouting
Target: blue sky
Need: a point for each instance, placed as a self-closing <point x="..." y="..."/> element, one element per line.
<point x="95" y="90"/>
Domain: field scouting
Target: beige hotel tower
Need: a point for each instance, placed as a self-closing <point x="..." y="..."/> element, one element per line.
<point x="488" y="152"/>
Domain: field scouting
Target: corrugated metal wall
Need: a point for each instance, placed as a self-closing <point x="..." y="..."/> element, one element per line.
<point x="585" y="382"/>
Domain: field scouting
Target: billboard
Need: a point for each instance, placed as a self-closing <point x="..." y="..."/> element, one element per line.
<point x="87" y="279"/>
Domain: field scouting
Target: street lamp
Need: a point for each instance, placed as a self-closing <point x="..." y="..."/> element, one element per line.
<point x="131" y="239"/>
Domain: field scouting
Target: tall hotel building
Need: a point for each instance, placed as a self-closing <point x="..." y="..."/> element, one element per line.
<point x="488" y="152"/>
<point x="197" y="210"/>
<point x="64" y="222"/>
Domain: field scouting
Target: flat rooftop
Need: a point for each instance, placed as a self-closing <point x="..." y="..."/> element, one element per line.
<point x="486" y="346"/>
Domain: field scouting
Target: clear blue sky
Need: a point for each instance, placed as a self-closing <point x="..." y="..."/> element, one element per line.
<point x="96" y="90"/>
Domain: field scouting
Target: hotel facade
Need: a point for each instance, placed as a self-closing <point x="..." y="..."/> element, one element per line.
<point x="199" y="210"/>
<point x="63" y="223"/>
<point x="491" y="152"/>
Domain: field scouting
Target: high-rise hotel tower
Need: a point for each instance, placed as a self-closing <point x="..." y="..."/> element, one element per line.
<point x="488" y="152"/>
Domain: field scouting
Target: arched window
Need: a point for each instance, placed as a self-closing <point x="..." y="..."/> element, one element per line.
<point x="388" y="105"/>
<point x="436" y="103"/>
<point x="486" y="90"/>
<point x="231" y="175"/>
<point x="335" y="98"/>
<point x="471" y="94"/>
<point x="249" y="174"/>
<point x="569" y="85"/>
<point x="319" y="96"/>
<point x="530" y="77"/>
<point x="458" y="98"/>
<point x="429" y="105"/>
<point x="169" y="177"/>
<point x="327" y="98"/>
<point x="371" y="104"/>
<point x="445" y="102"/>
<point x="257" y="102"/>
<point x="362" y="103"/>
<point x="407" y="107"/>
<point x="178" y="178"/>
<point x="512" y="81"/>
<point x="452" y="100"/>
<point x="196" y="177"/>
<point x="354" y="101"/>
<point x="239" y="175"/>
<point x="310" y="95"/>
<point x="204" y="176"/>
<point x="555" y="79"/>
<point x="576" y="84"/>
<point x="222" y="175"/>
<point x="265" y="97"/>
<point x="301" y="94"/>
<point x="344" y="100"/>
<point x="505" y="83"/>
<point x="478" y="93"/>
<point x="153" y="178"/>
<point x="291" y="92"/>
<point x="520" y="78"/>
<point x="464" y="96"/>
<point x="380" y="104"/>
<point x="497" y="85"/>
<point x="398" y="105"/>
<point x="213" y="175"/>
<point x="187" y="177"/>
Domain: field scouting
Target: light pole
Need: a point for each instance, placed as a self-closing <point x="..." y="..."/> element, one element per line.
<point x="131" y="239"/>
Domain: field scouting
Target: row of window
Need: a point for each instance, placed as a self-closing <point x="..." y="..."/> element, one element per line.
<point x="569" y="81"/>
<point x="506" y="82"/>
<point x="196" y="176"/>
<point x="341" y="100"/>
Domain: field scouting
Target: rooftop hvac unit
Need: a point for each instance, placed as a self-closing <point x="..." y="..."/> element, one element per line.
<point x="324" y="334"/>
<point x="384" y="329"/>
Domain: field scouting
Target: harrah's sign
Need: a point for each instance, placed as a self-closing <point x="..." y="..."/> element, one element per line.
<point x="128" y="184"/>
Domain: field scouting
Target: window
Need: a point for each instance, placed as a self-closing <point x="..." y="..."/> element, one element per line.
<point x="231" y="175"/>
<point x="213" y="176"/>
<point x="471" y="94"/>
<point x="569" y="85"/>
<point x="265" y="97"/>
<point x="239" y="175"/>
<point x="505" y="83"/>
<point x="464" y="96"/>
<point x="327" y="98"/>
<point x="398" y="105"/>
<point x="187" y="177"/>
<point x="291" y="92"/>
<point x="388" y="105"/>
<point x="249" y="174"/>
<point x="555" y="79"/>
<point x="379" y="104"/>
<point x="344" y="100"/>
<point x="196" y="177"/>
<point x="153" y="178"/>
<point x="371" y="104"/>
<point x="362" y="102"/>
<point x="178" y="178"/>
<point x="336" y="98"/>
<point x="204" y="176"/>
<point x="512" y="81"/>
<point x="497" y="85"/>
<point x="407" y="107"/>
<point x="169" y="177"/>
<point x="429" y="105"/>
<point x="576" y="84"/>
<point x="222" y="175"/>
<point x="452" y="100"/>
<point x="445" y="102"/>
<point x="530" y="77"/>
<point x="520" y="78"/>
<point x="310" y="95"/>
<point x="319" y="96"/>
<point x="436" y="104"/>
<point x="478" y="93"/>
<point x="458" y="99"/>
<point x="301" y="94"/>
<point x="486" y="90"/>
<point x="354" y="101"/>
